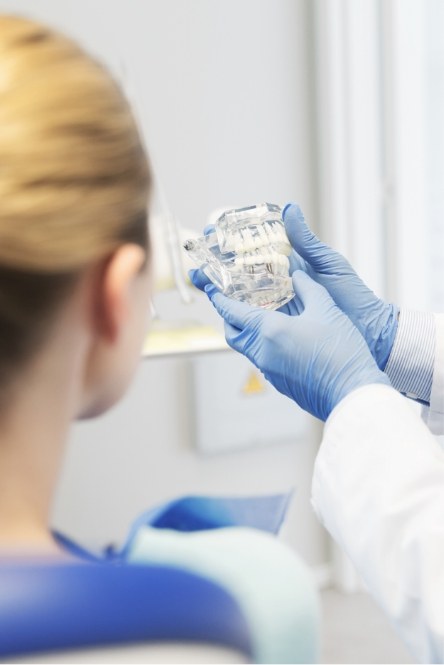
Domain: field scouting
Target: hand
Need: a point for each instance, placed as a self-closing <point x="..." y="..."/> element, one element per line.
<point x="316" y="357"/>
<point x="375" y="319"/>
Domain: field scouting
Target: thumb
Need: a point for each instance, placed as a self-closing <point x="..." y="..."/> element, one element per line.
<point x="319" y="255"/>
<point x="198" y="278"/>
<point x="312" y="295"/>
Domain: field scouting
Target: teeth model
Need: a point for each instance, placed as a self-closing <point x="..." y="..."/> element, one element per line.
<point x="266" y="244"/>
<point x="255" y="237"/>
<point x="246" y="255"/>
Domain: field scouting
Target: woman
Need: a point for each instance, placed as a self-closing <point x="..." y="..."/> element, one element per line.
<point x="74" y="262"/>
<point x="75" y="284"/>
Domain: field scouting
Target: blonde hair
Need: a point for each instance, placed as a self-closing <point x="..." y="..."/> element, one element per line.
<point x="74" y="178"/>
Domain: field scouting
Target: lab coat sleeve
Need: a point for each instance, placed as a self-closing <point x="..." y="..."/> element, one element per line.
<point x="416" y="364"/>
<point x="378" y="487"/>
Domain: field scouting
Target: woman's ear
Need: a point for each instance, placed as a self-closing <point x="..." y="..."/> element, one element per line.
<point x="115" y="282"/>
<point x="119" y="291"/>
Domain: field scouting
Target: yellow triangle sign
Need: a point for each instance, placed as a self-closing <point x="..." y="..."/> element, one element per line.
<point x="254" y="384"/>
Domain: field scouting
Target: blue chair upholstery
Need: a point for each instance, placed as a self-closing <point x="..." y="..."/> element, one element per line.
<point x="180" y="579"/>
<point x="53" y="606"/>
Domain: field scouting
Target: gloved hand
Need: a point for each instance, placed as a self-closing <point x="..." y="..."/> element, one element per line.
<point x="316" y="357"/>
<point x="375" y="319"/>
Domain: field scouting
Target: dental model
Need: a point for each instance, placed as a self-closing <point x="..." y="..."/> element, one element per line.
<point x="246" y="256"/>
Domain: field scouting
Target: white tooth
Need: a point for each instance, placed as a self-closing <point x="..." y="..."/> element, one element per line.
<point x="282" y="234"/>
<point x="282" y="264"/>
<point x="276" y="265"/>
<point x="257" y="238"/>
<point x="276" y="236"/>
<point x="274" y="260"/>
<point x="248" y="240"/>
<point x="239" y="261"/>
<point x="263" y="236"/>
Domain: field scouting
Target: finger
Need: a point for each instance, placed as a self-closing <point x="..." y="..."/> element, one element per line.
<point x="232" y="336"/>
<point x="236" y="313"/>
<point x="296" y="263"/>
<point x="310" y="294"/>
<point x="240" y="340"/>
<point x="198" y="278"/>
<point x="319" y="255"/>
<point x="292" y="308"/>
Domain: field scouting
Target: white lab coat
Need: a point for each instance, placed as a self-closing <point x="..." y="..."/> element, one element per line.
<point x="378" y="487"/>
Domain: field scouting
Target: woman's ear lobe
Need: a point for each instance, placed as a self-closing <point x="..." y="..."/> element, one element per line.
<point x="113" y="285"/>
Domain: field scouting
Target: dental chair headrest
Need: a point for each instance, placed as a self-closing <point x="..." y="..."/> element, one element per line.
<point x="50" y="606"/>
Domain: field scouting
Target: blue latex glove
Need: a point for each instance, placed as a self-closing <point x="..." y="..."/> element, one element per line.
<point x="316" y="357"/>
<point x="375" y="319"/>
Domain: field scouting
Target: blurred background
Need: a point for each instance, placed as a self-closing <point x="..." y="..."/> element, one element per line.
<point x="335" y="104"/>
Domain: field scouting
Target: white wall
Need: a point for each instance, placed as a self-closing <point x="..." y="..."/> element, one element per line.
<point x="224" y="92"/>
<point x="223" y="87"/>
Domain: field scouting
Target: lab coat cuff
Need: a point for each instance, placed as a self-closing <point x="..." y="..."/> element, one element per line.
<point x="362" y="395"/>
<point x="411" y="361"/>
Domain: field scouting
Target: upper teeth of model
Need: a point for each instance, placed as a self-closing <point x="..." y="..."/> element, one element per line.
<point x="262" y="244"/>
<point x="271" y="258"/>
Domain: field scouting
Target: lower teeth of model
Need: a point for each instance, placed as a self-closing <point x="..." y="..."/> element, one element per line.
<point x="275" y="262"/>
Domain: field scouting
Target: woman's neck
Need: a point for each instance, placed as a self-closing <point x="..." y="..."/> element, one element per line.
<point x="33" y="432"/>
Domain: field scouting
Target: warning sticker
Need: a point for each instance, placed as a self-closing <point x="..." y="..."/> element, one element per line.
<point x="254" y="384"/>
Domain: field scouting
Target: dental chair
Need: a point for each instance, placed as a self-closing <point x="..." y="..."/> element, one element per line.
<point x="71" y="613"/>
<point x="198" y="580"/>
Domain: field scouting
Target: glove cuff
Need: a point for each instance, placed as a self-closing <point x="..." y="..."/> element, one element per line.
<point x="384" y="345"/>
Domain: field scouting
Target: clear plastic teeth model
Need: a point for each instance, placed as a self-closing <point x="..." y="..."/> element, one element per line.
<point x="246" y="256"/>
